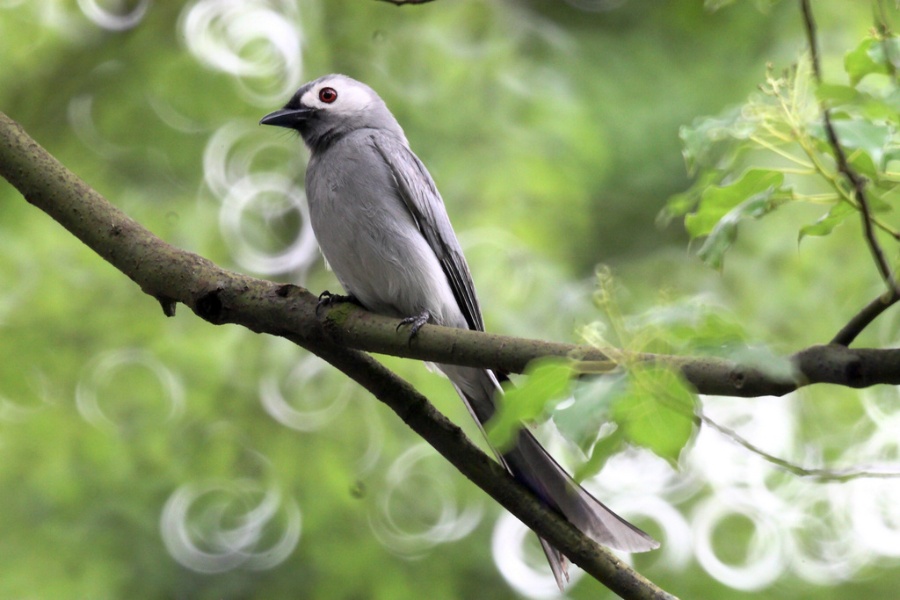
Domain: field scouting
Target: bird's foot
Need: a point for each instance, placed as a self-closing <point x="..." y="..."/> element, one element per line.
<point x="326" y="299"/>
<point x="415" y="323"/>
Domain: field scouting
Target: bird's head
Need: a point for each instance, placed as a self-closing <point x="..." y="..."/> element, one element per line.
<point x="330" y="107"/>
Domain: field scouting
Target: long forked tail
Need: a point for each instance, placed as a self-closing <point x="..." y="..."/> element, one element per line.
<point x="534" y="467"/>
<point x="528" y="462"/>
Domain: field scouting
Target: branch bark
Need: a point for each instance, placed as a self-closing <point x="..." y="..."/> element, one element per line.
<point x="172" y="275"/>
<point x="353" y="327"/>
<point x="864" y="317"/>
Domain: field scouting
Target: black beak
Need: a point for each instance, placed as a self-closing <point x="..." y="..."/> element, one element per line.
<point x="286" y="117"/>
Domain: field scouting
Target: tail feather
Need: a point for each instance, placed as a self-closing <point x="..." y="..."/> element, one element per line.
<point x="528" y="462"/>
<point x="559" y="564"/>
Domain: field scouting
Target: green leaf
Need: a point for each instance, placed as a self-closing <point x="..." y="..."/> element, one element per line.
<point x="714" y="5"/>
<point x="714" y="141"/>
<point x="869" y="57"/>
<point x="656" y="411"/>
<point x="836" y="95"/>
<point x="713" y="250"/>
<point x="581" y="420"/>
<point x="687" y="327"/>
<point x="602" y="451"/>
<point x="866" y="136"/>
<point x="682" y="203"/>
<point x="826" y="224"/>
<point x="717" y="201"/>
<point x="723" y="235"/>
<point x="547" y="381"/>
<point x="877" y="203"/>
<point x="862" y="163"/>
<point x="859" y="62"/>
<point x="650" y="405"/>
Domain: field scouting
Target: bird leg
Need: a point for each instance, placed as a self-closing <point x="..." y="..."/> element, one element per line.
<point x="326" y="299"/>
<point x="415" y="323"/>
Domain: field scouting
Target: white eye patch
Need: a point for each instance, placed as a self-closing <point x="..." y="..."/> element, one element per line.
<point x="350" y="98"/>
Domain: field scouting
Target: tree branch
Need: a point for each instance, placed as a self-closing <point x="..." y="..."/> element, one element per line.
<point x="172" y="275"/>
<point x="406" y="2"/>
<point x="819" y="474"/>
<point x="351" y="326"/>
<point x="863" y="318"/>
<point x="858" y="182"/>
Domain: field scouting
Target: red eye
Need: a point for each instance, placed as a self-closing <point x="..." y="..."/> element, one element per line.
<point x="327" y="95"/>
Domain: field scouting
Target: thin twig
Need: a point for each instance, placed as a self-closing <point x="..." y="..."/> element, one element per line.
<point x="859" y="186"/>
<point x="810" y="25"/>
<point x="863" y="318"/>
<point x="817" y="474"/>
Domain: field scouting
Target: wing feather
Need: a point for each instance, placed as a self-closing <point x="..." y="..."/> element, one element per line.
<point x="421" y="197"/>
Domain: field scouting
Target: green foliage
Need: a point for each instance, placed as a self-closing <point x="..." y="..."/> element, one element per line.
<point x="722" y="208"/>
<point x="644" y="405"/>
<point x="729" y="203"/>
<point x="648" y="404"/>
<point x="879" y="56"/>
<point x="552" y="134"/>
<point x="827" y="222"/>
<point x="547" y="382"/>
<point x="774" y="150"/>
<point x="656" y="410"/>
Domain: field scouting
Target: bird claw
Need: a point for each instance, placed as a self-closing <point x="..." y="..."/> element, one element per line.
<point x="415" y="323"/>
<point x="326" y="299"/>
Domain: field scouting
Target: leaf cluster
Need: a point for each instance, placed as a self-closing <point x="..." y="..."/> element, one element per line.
<point x="604" y="407"/>
<point x="774" y="150"/>
<point x="749" y="161"/>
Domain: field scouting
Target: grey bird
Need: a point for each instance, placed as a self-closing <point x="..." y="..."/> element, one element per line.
<point x="384" y="231"/>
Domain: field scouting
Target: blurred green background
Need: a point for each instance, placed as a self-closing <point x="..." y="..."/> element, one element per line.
<point x="144" y="457"/>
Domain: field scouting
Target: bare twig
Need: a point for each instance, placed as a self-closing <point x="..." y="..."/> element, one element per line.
<point x="856" y="180"/>
<point x="859" y="187"/>
<point x="821" y="475"/>
<point x="810" y="26"/>
<point x="863" y="318"/>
